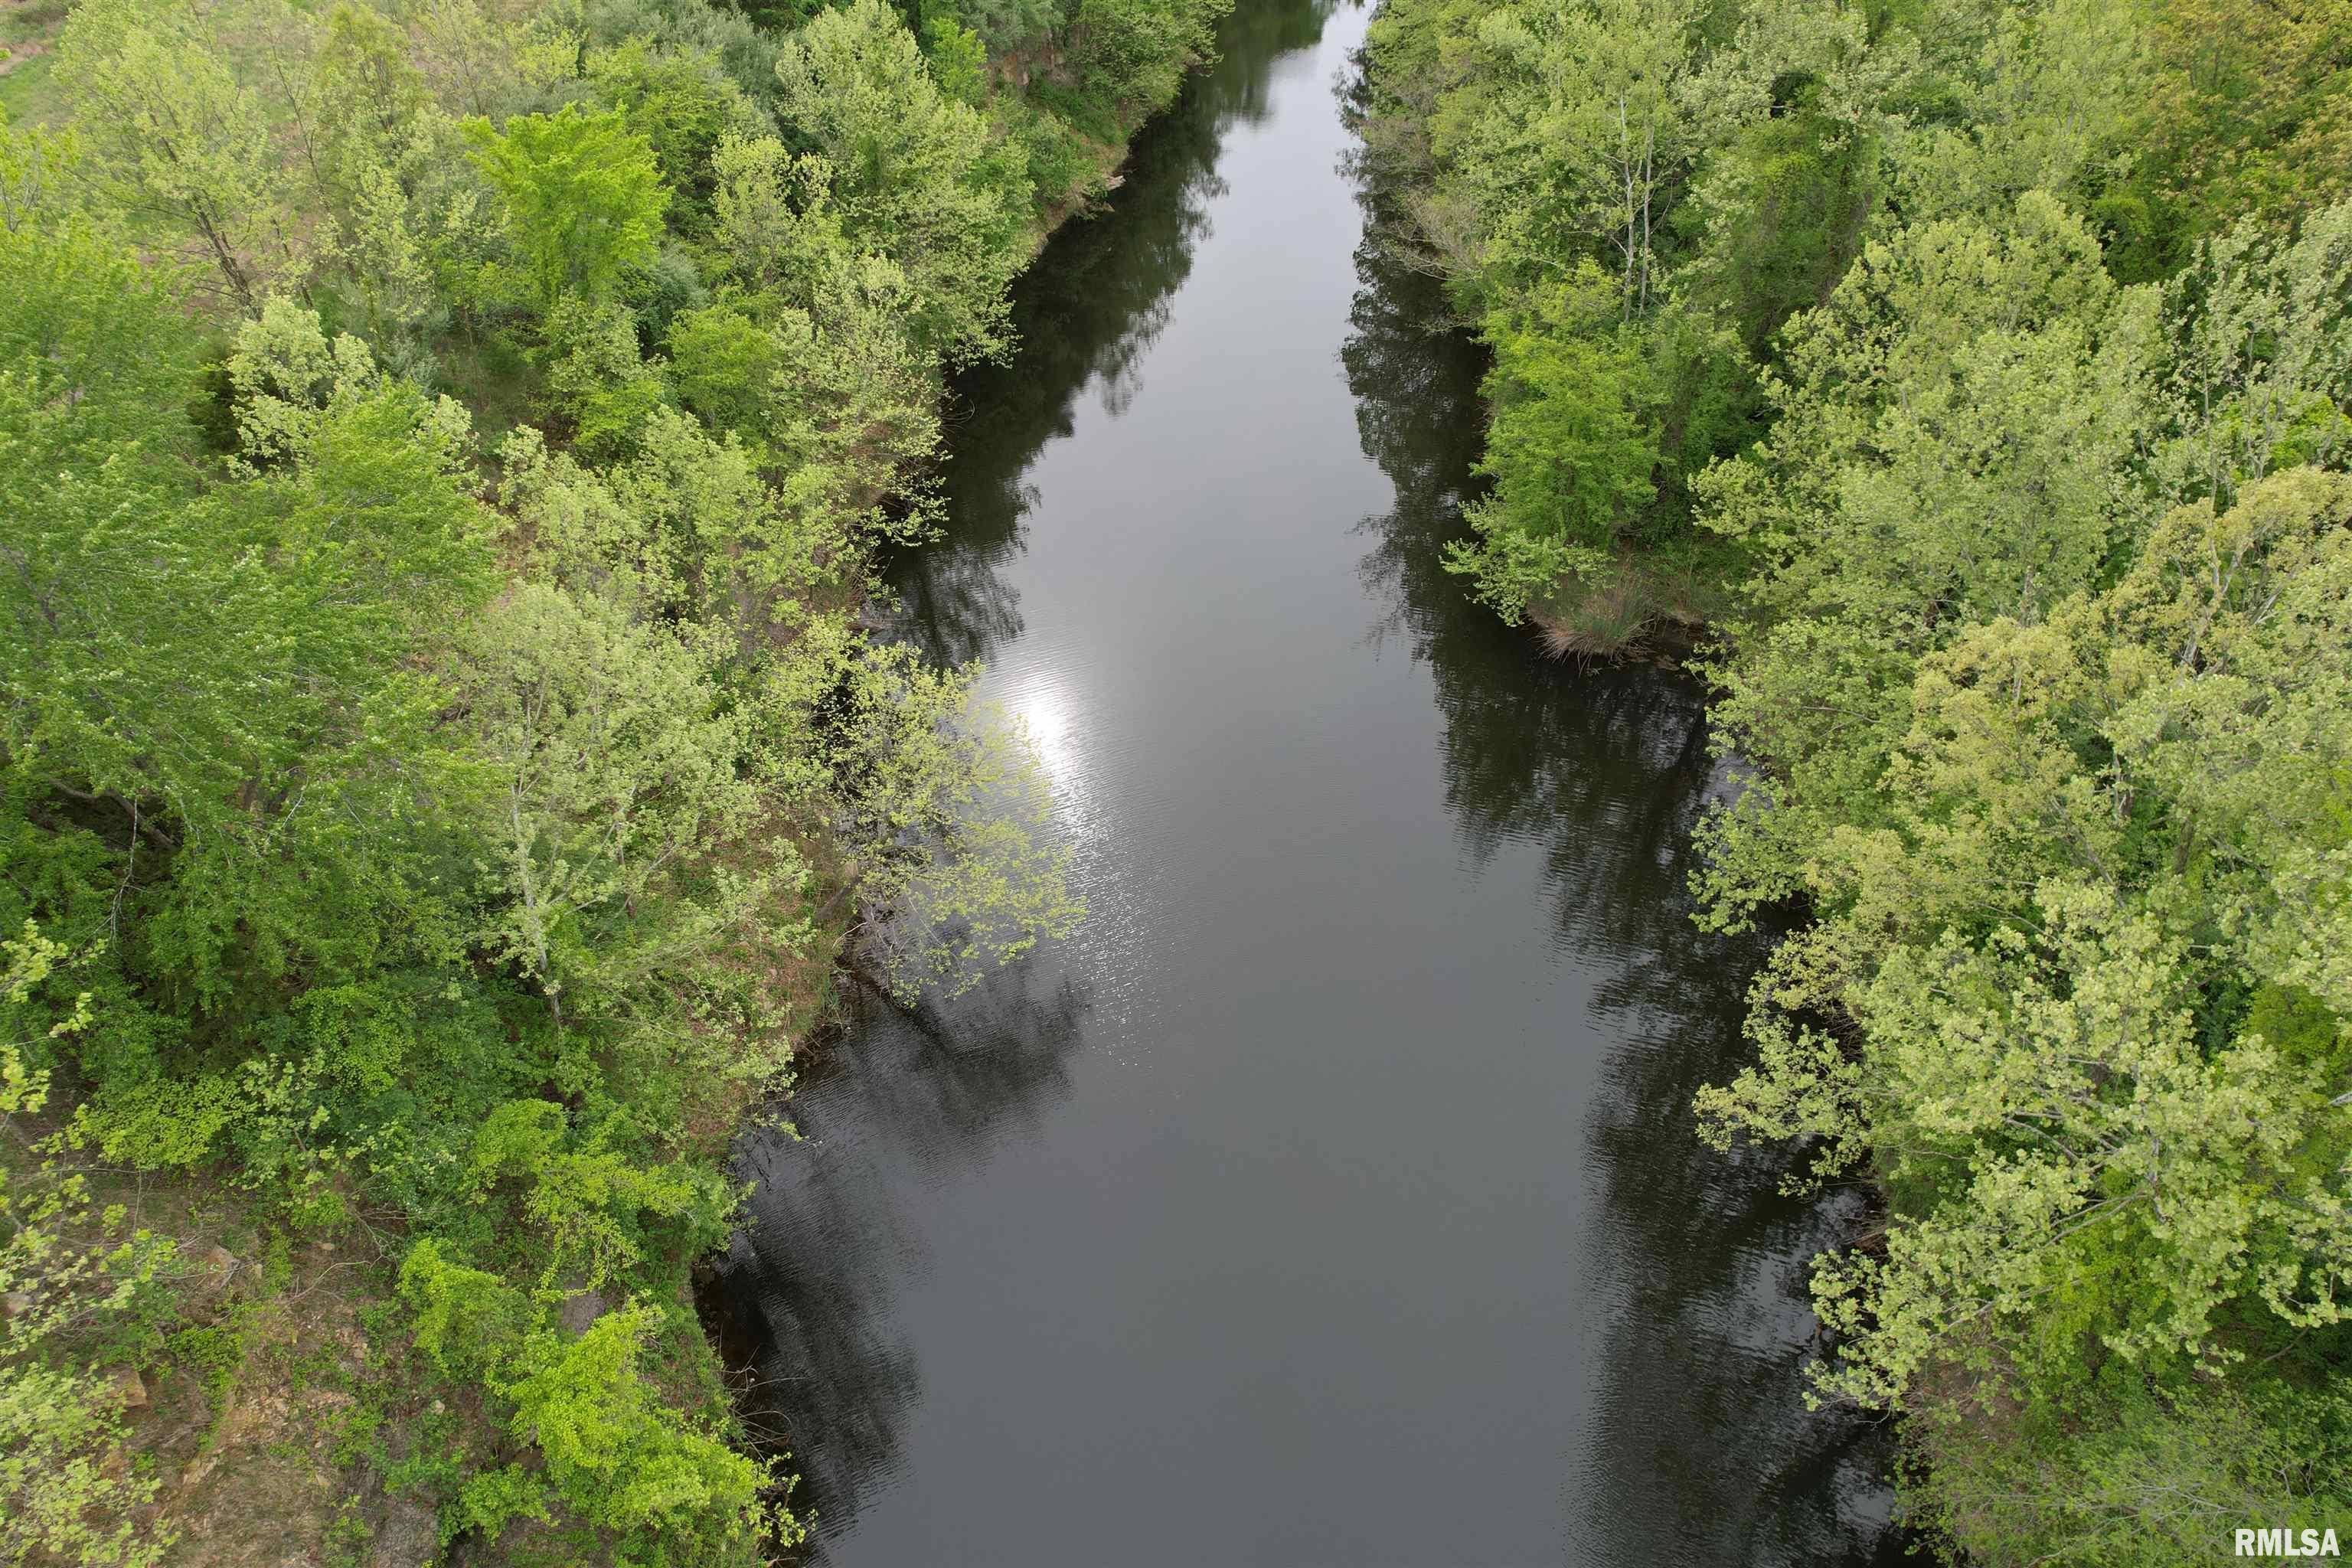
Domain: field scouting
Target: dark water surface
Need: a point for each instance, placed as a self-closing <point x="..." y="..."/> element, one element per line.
<point x="1332" y="1199"/>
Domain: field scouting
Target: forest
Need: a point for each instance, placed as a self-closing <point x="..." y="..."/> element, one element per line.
<point x="1963" y="389"/>
<point x="453" y="759"/>
<point x="445" y="447"/>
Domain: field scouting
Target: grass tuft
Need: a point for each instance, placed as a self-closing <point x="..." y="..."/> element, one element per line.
<point x="1647" y="603"/>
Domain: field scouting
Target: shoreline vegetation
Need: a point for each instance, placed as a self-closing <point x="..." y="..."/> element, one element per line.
<point x="1981" y="376"/>
<point x="445" y="444"/>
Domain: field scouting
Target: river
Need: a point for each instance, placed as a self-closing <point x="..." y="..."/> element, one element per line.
<point x="1331" y="1200"/>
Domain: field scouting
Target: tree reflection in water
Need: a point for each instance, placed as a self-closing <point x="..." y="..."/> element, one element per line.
<point x="1693" y="1285"/>
<point x="806" y="1290"/>
<point x="1087" y="313"/>
<point x="1701" y="1435"/>
<point x="808" y="1281"/>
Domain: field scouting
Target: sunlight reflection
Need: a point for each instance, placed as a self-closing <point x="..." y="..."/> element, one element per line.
<point x="1044" y="711"/>
<point x="1050" y="713"/>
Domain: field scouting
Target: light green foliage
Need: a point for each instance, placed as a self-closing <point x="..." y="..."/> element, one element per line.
<point x="467" y="1319"/>
<point x="180" y="142"/>
<point x="287" y="379"/>
<point x="436" y="841"/>
<point x="593" y="1206"/>
<point x="40" y="177"/>
<point x="1798" y="108"/>
<point x="682" y="103"/>
<point x="908" y="173"/>
<point x="617" y="1457"/>
<point x="159" y="1123"/>
<point x="485" y="64"/>
<point x="67" y="1269"/>
<point x="1135" y="52"/>
<point x="835" y="387"/>
<point x="607" y="1448"/>
<point x="235" y="656"/>
<point x="2262" y="361"/>
<point x="1570" y="450"/>
<point x="727" y="367"/>
<point x="2037" y="110"/>
<point x="611" y="784"/>
<point x="1713" y="165"/>
<point x="1609" y="121"/>
<point x="369" y="96"/>
<point x="583" y="199"/>
<point x="1727" y="166"/>
<point x="771" y="220"/>
<point x="1008" y="24"/>
<point x="859" y="406"/>
<point x="2245" y="117"/>
<point x="2154" y="1481"/>
<point x="2115" y="1201"/>
<point x="598" y="377"/>
<point x="689" y="527"/>
<point x="403" y="214"/>
<point x="2095" y="833"/>
<point x="2039" y="688"/>
<point x="741" y="554"/>
<point x="1952" y="426"/>
<point x="949" y="814"/>
<point x="80" y="313"/>
<point x="958" y="60"/>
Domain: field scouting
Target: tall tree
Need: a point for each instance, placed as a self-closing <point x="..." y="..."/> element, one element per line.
<point x="177" y="139"/>
<point x="912" y="174"/>
<point x="583" y="198"/>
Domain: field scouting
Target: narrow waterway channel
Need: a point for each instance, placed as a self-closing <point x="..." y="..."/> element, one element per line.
<point x="1331" y="1200"/>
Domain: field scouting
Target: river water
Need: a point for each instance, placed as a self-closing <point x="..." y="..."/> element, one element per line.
<point x="1331" y="1200"/>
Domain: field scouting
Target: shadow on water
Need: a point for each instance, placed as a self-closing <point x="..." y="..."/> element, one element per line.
<point x="1702" y="1439"/>
<point x="806" y="1288"/>
<point x="808" y="1291"/>
<point x="1087" y="313"/>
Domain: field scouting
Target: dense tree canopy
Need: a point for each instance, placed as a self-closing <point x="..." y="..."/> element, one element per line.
<point x="1987" y="368"/>
<point x="444" y="449"/>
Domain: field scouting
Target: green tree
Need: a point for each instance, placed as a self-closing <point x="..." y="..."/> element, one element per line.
<point x="912" y="174"/>
<point x="630" y="836"/>
<point x="67" y="1269"/>
<point x="228" y="664"/>
<point x="2243" y="116"/>
<point x="2261" y="356"/>
<point x="1570" y="449"/>
<point x="452" y="866"/>
<point x="177" y="139"/>
<point x="943" y="810"/>
<point x="2040" y="107"/>
<point x="1132" y="53"/>
<point x="2100" y="835"/>
<point x="1952" y="429"/>
<point x="583" y="198"/>
<point x="681" y="101"/>
<point x="1609" y="124"/>
<point x="621" y="1461"/>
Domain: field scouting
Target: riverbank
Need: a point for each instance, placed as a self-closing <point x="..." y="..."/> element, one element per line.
<point x="1737" y="270"/>
<point x="354" y="1204"/>
<point x="1638" y="605"/>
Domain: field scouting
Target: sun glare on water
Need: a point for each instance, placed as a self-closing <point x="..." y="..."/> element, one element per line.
<point x="1044" y="711"/>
